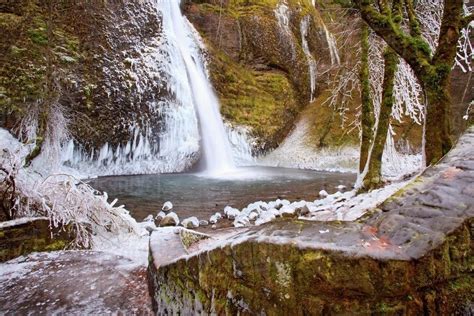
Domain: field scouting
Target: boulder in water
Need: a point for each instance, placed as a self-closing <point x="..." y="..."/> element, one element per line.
<point x="215" y="218"/>
<point x="341" y="187"/>
<point x="231" y="213"/>
<point x="302" y="211"/>
<point x="323" y="193"/>
<point x="287" y="211"/>
<point x="160" y="216"/>
<point x="191" y="222"/>
<point x="168" y="206"/>
<point x="253" y="216"/>
<point x="171" y="219"/>
<point x="203" y="222"/>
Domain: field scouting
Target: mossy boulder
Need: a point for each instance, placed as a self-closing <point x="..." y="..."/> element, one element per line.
<point x="255" y="277"/>
<point x="25" y="235"/>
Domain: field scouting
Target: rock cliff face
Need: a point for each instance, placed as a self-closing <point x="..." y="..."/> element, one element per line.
<point x="104" y="59"/>
<point x="92" y="54"/>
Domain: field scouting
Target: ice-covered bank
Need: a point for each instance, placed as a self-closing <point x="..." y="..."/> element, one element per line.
<point x="299" y="151"/>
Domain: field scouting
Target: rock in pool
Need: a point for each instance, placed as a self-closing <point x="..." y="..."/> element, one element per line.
<point x="168" y="206"/>
<point x="191" y="222"/>
<point x="171" y="219"/>
<point x="323" y="193"/>
<point x="231" y="213"/>
<point x="215" y="218"/>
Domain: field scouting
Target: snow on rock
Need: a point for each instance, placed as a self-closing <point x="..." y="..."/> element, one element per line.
<point x="303" y="211"/>
<point x="149" y="218"/>
<point x="265" y="218"/>
<point x="149" y="226"/>
<point x="171" y="219"/>
<point x="168" y="206"/>
<point x="131" y="246"/>
<point x="323" y="193"/>
<point x="191" y="222"/>
<point x="287" y="209"/>
<point x="275" y="212"/>
<point x="253" y="216"/>
<point x="241" y="221"/>
<point x="340" y="206"/>
<point x="298" y="151"/>
<point x="231" y="213"/>
<point x="160" y="216"/>
<point x="349" y="206"/>
<point x="215" y="218"/>
<point x="73" y="283"/>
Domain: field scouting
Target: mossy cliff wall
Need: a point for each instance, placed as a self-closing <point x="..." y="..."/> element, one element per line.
<point x="24" y="236"/>
<point x="258" y="68"/>
<point x="87" y="48"/>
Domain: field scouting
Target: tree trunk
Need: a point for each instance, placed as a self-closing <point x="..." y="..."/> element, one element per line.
<point x="438" y="125"/>
<point x="45" y="105"/>
<point x="432" y="70"/>
<point x="373" y="177"/>
<point x="367" y="107"/>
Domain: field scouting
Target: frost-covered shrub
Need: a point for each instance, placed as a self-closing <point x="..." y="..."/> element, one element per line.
<point x="65" y="200"/>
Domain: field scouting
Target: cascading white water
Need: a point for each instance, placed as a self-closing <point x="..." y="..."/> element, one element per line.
<point x="216" y="150"/>
<point x="189" y="110"/>
<point x="304" y="28"/>
<point x="335" y="59"/>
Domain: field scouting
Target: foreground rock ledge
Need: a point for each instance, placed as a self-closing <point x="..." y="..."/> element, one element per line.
<point x="413" y="255"/>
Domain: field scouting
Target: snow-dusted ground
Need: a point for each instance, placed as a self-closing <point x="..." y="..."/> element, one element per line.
<point x="296" y="151"/>
<point x="73" y="283"/>
<point x="133" y="246"/>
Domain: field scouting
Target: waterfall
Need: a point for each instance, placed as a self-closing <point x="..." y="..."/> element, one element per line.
<point x="188" y="109"/>
<point x="216" y="150"/>
<point x="304" y="27"/>
<point x="335" y="59"/>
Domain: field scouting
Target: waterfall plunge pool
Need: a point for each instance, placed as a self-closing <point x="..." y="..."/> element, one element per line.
<point x="201" y="196"/>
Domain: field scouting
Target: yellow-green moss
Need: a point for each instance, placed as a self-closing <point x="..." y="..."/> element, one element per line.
<point x="262" y="100"/>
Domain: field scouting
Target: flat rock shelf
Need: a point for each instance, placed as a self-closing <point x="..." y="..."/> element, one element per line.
<point x="73" y="283"/>
<point x="412" y="255"/>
